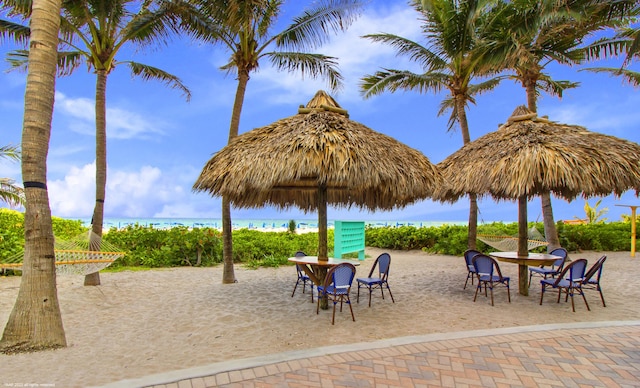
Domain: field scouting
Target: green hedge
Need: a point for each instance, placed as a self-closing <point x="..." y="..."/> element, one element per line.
<point x="180" y="246"/>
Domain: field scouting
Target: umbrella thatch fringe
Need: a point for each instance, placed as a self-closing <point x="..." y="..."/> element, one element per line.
<point x="531" y="155"/>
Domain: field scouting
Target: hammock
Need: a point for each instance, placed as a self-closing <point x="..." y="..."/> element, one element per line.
<point x="83" y="255"/>
<point x="510" y="243"/>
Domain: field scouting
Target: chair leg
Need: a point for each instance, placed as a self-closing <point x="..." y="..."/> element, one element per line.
<point x="573" y="307"/>
<point x="294" y="289"/>
<point x="350" y="308"/>
<point x="358" y="297"/>
<point x="311" y="292"/>
<point x="542" y="294"/>
<point x="477" y="288"/>
<point x="491" y="289"/>
<point x="370" y="291"/>
<point x="602" y="297"/>
<point x="390" y="294"/>
<point x="508" y="293"/>
<point x="333" y="317"/>
<point x="585" y="299"/>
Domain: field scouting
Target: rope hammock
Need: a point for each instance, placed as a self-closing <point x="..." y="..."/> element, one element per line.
<point x="82" y="255"/>
<point x="510" y="243"/>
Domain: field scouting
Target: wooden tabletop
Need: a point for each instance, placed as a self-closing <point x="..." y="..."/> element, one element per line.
<point x="313" y="260"/>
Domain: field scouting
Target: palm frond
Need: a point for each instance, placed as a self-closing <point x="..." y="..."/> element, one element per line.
<point x="314" y="27"/>
<point x="10" y="152"/>
<point x="15" y="31"/>
<point x="19" y="8"/>
<point x="553" y="87"/>
<point x="312" y="65"/>
<point x="150" y="72"/>
<point x="68" y="61"/>
<point x="630" y="76"/>
<point x="607" y="47"/>
<point x="393" y="80"/>
<point x="416" y="52"/>
<point x="10" y="193"/>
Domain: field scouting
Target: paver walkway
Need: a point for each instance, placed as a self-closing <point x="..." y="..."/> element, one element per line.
<point x="600" y="354"/>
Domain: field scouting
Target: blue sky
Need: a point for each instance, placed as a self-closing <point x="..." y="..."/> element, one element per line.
<point x="158" y="143"/>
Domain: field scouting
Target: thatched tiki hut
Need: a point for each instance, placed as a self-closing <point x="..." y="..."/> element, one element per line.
<point x="318" y="157"/>
<point x="530" y="155"/>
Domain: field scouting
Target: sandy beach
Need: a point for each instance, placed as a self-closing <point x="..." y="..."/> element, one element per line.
<point x="141" y="323"/>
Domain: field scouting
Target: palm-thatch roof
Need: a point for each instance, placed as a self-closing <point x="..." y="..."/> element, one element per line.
<point x="285" y="163"/>
<point x="530" y="155"/>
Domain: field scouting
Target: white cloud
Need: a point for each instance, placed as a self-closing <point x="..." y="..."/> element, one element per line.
<point x="143" y="193"/>
<point x="121" y="123"/>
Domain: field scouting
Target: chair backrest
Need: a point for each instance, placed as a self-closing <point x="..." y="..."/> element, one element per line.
<point x="468" y="257"/>
<point x="595" y="269"/>
<point x="383" y="262"/>
<point x="485" y="265"/>
<point x="340" y="276"/>
<point x="298" y="267"/>
<point x="573" y="272"/>
<point x="559" y="264"/>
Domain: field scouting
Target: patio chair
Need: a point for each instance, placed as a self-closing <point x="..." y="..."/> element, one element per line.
<point x="489" y="274"/>
<point x="592" y="278"/>
<point x="569" y="280"/>
<point x="383" y="263"/>
<point x="471" y="271"/>
<point x="302" y="277"/>
<point x="554" y="270"/>
<point x="336" y="288"/>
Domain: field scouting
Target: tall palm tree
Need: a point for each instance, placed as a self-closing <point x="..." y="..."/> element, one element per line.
<point x="451" y="62"/>
<point x="9" y="191"/>
<point x="535" y="33"/>
<point x="35" y="322"/>
<point x="95" y="31"/>
<point x="245" y="29"/>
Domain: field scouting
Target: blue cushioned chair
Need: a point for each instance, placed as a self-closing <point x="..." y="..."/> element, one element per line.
<point x="336" y="287"/>
<point x="302" y="278"/>
<point x="471" y="271"/>
<point x="592" y="278"/>
<point x="555" y="268"/>
<point x="383" y="263"/>
<point x="489" y="275"/>
<point x="569" y="281"/>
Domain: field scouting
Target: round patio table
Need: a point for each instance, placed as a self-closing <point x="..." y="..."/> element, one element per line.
<point x="533" y="259"/>
<point x="317" y="270"/>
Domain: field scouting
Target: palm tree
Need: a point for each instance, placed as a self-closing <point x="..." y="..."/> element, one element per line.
<point x="35" y="322"/>
<point x="94" y="32"/>
<point x="9" y="191"/>
<point x="244" y="28"/>
<point x="533" y="34"/>
<point x="451" y="63"/>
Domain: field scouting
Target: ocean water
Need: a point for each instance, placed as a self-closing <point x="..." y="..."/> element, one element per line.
<point x="259" y="224"/>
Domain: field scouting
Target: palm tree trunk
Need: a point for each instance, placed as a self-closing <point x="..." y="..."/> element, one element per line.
<point x="228" y="275"/>
<point x="35" y="323"/>
<point x="93" y="279"/>
<point x="550" y="231"/>
<point x="473" y="200"/>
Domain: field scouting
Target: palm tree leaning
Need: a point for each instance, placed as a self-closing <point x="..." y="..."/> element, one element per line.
<point x="451" y="63"/>
<point x="35" y="322"/>
<point x="244" y="28"/>
<point x="10" y="193"/>
<point x="533" y="34"/>
<point x="95" y="32"/>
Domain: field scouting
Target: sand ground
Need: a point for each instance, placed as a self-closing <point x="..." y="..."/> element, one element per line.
<point x="141" y="323"/>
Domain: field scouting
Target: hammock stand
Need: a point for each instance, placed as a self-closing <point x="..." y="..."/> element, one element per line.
<point x="510" y="243"/>
<point x="74" y="257"/>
